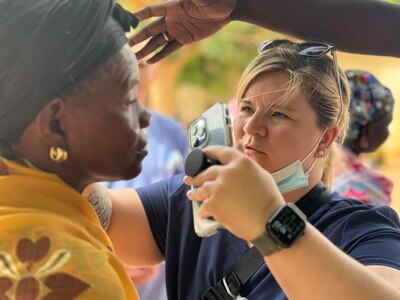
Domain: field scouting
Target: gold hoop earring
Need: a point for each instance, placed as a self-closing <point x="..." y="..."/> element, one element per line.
<point x="58" y="154"/>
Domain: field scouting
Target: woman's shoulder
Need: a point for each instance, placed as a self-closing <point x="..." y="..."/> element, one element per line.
<point x="370" y="234"/>
<point x="341" y="212"/>
<point x="339" y="203"/>
<point x="168" y="188"/>
<point x="42" y="259"/>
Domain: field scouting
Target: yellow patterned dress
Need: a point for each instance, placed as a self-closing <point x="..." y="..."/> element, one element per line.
<point x="52" y="245"/>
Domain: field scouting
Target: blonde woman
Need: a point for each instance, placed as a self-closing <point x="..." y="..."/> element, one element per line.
<point x="293" y="102"/>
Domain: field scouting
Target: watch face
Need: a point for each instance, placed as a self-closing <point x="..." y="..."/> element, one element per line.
<point x="286" y="226"/>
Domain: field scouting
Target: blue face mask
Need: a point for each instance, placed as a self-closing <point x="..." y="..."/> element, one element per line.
<point x="291" y="177"/>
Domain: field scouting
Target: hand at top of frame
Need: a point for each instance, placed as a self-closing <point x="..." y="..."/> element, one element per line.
<point x="181" y="22"/>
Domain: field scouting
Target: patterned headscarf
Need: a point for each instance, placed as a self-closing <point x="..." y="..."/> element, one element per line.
<point x="369" y="102"/>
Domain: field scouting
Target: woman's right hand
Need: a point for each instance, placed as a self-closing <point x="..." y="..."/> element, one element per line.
<point x="239" y="193"/>
<point x="183" y="21"/>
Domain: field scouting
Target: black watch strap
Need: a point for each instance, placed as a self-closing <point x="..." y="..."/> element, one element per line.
<point x="266" y="244"/>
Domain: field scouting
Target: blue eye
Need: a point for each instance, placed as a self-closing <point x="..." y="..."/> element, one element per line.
<point x="279" y="115"/>
<point x="246" y="109"/>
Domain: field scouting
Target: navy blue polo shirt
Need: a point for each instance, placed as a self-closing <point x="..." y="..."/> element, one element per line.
<point x="371" y="235"/>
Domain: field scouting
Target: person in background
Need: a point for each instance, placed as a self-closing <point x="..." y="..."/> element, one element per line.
<point x="67" y="85"/>
<point x="359" y="26"/>
<point x="371" y="110"/>
<point x="167" y="152"/>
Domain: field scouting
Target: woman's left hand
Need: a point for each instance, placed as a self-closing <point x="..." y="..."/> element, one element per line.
<point x="239" y="193"/>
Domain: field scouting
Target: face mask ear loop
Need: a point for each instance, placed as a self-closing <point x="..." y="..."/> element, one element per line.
<point x="311" y="152"/>
<point x="310" y="168"/>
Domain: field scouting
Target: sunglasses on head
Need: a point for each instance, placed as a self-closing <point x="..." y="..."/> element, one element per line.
<point x="310" y="50"/>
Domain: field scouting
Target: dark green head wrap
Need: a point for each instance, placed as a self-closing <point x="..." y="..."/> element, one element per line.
<point x="46" y="46"/>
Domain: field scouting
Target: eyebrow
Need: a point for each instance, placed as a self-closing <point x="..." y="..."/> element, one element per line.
<point x="286" y="107"/>
<point x="245" y="101"/>
<point x="273" y="105"/>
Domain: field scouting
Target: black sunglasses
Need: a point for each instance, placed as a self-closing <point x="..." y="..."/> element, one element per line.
<point x="311" y="50"/>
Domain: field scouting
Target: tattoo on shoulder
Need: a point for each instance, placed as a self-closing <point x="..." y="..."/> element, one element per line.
<point x="101" y="202"/>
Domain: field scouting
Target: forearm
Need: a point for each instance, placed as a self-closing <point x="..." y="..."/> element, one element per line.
<point x="362" y="26"/>
<point x="315" y="269"/>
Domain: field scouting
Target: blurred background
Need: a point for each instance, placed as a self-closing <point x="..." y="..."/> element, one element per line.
<point x="195" y="77"/>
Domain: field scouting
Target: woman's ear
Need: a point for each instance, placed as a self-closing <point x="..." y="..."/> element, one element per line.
<point x="45" y="132"/>
<point x="50" y="123"/>
<point x="328" y="138"/>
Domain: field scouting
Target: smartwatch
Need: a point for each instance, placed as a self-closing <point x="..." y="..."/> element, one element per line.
<point x="283" y="229"/>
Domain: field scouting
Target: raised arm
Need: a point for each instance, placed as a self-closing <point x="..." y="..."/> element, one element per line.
<point x="362" y="26"/>
<point x="244" y="210"/>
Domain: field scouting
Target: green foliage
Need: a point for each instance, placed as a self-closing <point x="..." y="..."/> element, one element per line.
<point x="223" y="57"/>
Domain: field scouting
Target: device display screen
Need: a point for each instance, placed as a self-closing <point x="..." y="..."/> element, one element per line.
<point x="285" y="227"/>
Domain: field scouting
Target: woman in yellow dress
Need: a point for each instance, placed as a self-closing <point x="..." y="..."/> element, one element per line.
<point x="67" y="86"/>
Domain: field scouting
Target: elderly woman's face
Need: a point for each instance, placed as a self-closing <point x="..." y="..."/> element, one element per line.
<point x="272" y="136"/>
<point x="105" y="135"/>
